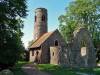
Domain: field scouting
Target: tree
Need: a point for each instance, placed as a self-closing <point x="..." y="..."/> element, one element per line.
<point x="11" y="12"/>
<point x="85" y="13"/>
<point x="81" y="13"/>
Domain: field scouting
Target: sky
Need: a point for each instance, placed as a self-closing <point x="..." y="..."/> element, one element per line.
<point x="55" y="9"/>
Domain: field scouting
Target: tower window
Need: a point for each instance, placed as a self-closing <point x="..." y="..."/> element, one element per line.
<point x="43" y="18"/>
<point x="56" y="43"/>
<point x="35" y="18"/>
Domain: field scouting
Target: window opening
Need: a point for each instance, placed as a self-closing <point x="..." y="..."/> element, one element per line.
<point x="56" y="43"/>
<point x="35" y="18"/>
<point x="43" y="18"/>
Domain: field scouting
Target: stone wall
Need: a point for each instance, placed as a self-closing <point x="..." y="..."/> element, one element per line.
<point x="82" y="40"/>
<point x="45" y="57"/>
<point x="35" y="55"/>
<point x="54" y="55"/>
<point x="31" y="58"/>
<point x="50" y="42"/>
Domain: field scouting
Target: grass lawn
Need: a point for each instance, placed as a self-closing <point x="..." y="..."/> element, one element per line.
<point x="17" y="69"/>
<point x="54" y="69"/>
<point x="57" y="70"/>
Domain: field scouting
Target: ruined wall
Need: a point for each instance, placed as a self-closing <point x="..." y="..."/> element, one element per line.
<point x="82" y="52"/>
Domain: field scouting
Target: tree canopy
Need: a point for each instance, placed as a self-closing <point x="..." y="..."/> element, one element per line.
<point x="81" y="13"/>
<point x="11" y="24"/>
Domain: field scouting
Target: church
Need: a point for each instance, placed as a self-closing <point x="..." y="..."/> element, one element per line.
<point x="51" y="48"/>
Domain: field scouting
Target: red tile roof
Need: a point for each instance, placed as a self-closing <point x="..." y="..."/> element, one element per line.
<point x="41" y="40"/>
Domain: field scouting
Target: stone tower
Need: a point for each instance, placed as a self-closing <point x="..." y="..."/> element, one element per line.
<point x="40" y="24"/>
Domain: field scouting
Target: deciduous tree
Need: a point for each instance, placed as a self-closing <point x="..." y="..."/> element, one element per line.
<point x="11" y="24"/>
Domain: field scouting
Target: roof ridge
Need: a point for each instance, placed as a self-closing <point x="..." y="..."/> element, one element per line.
<point x="41" y="36"/>
<point x="43" y="40"/>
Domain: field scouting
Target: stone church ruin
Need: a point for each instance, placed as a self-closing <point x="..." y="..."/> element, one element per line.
<point x="50" y="47"/>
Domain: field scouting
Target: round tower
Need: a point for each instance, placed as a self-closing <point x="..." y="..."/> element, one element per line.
<point x="40" y="23"/>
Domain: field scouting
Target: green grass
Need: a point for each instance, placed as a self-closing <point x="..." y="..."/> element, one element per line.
<point x="97" y="71"/>
<point x="17" y="68"/>
<point x="57" y="70"/>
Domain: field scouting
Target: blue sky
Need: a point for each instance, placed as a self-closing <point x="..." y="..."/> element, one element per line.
<point x="55" y="9"/>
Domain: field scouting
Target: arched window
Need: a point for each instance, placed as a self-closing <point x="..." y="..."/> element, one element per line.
<point x="43" y="17"/>
<point x="35" y="18"/>
<point x="56" y="43"/>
